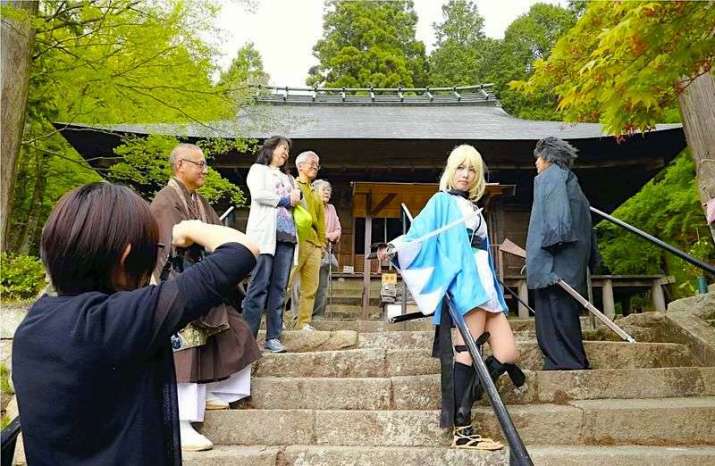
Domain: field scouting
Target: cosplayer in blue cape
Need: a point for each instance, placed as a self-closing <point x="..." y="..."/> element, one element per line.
<point x="446" y="253"/>
<point x="435" y="265"/>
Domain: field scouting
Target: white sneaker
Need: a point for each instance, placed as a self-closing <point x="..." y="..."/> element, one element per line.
<point x="308" y="328"/>
<point x="215" y="403"/>
<point x="192" y="440"/>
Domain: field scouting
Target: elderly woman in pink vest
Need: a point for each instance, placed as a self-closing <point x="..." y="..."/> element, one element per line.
<point x="332" y="234"/>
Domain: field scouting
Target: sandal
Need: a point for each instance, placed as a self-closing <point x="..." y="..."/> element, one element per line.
<point x="467" y="437"/>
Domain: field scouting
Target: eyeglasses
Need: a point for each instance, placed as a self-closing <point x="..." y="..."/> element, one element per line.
<point x="314" y="165"/>
<point x="201" y="164"/>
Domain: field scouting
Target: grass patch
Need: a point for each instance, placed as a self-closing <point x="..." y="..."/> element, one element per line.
<point x="5" y="387"/>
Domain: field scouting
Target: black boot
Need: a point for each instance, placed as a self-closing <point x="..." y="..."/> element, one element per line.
<point x="465" y="434"/>
<point x="463" y="379"/>
<point x="465" y="384"/>
<point x="496" y="369"/>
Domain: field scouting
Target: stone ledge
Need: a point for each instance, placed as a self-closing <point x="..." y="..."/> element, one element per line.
<point x="688" y="319"/>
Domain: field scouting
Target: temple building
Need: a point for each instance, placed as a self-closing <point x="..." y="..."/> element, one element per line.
<point x="383" y="147"/>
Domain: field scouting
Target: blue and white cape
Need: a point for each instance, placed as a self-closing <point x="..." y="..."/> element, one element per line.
<point x="441" y="264"/>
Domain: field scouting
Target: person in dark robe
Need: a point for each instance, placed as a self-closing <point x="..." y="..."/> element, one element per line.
<point x="559" y="246"/>
<point x="92" y="365"/>
<point x="213" y="354"/>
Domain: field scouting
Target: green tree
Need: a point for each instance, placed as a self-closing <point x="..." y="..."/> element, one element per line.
<point x="528" y="38"/>
<point x="666" y="207"/>
<point x="459" y="53"/>
<point x="629" y="65"/>
<point x="107" y="62"/>
<point x="145" y="167"/>
<point x="245" y="70"/>
<point x="369" y="44"/>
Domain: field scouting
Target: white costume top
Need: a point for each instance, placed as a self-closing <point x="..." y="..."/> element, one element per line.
<point x="479" y="226"/>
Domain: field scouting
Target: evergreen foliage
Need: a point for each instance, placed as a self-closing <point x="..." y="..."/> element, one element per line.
<point x="22" y="277"/>
<point x="623" y="63"/>
<point x="668" y="208"/>
<point x="529" y="38"/>
<point x="369" y="44"/>
<point x="245" y="70"/>
<point x="109" y="62"/>
<point x="459" y="54"/>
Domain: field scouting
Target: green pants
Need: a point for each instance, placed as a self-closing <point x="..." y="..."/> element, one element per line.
<point x="308" y="272"/>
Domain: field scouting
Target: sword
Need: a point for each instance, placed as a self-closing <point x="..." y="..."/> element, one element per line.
<point x="511" y="248"/>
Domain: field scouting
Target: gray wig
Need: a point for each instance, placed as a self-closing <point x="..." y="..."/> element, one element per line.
<point x="555" y="150"/>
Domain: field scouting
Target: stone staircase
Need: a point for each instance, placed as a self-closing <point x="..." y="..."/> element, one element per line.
<point x="367" y="393"/>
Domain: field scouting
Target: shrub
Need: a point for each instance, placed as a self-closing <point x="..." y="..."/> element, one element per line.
<point x="21" y="277"/>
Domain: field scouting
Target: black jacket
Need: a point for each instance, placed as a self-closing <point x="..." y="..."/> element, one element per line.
<point x="94" y="373"/>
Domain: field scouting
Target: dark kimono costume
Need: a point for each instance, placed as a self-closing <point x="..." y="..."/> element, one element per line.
<point x="230" y="346"/>
<point x="94" y="373"/>
<point x="559" y="245"/>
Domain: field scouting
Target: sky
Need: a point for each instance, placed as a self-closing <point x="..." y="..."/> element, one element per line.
<point x="285" y="31"/>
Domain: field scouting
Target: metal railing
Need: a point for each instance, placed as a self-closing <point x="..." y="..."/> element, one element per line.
<point x="8" y="440"/>
<point x="665" y="246"/>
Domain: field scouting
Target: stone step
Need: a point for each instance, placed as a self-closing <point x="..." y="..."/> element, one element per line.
<point x="379" y="362"/>
<point x="353" y="301"/>
<point x="356" y="284"/>
<point x="297" y="341"/>
<point x="343" y="311"/>
<point x="629" y="455"/>
<point x="423" y="391"/>
<point x="669" y="421"/>
<point x="325" y="455"/>
<point x="408" y="456"/>
<point x="425" y="324"/>
<point x="415" y="339"/>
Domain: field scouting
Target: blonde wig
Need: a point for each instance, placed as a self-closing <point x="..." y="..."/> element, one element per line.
<point x="468" y="155"/>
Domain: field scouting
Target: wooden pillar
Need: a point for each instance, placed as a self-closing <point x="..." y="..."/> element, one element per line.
<point x="524" y="296"/>
<point x="609" y="307"/>
<point x="658" y="297"/>
<point x="366" y="267"/>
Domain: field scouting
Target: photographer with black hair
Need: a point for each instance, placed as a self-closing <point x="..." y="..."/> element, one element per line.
<point x="92" y="367"/>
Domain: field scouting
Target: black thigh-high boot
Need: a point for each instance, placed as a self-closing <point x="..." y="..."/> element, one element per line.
<point x="464" y="377"/>
<point x="496" y="368"/>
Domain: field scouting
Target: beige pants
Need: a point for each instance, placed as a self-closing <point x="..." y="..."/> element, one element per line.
<point x="308" y="272"/>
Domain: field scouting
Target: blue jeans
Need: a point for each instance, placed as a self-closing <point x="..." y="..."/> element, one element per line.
<point x="267" y="290"/>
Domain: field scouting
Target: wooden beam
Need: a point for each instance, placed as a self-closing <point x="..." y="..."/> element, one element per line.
<point x="382" y="204"/>
<point x="366" y="266"/>
<point x="609" y="307"/>
<point x="658" y="297"/>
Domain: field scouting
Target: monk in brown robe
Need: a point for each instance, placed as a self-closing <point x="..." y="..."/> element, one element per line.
<point x="212" y="355"/>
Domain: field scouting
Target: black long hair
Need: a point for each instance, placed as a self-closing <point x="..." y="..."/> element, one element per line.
<point x="265" y="153"/>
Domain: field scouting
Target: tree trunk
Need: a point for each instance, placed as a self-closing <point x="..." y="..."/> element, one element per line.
<point x="35" y="210"/>
<point x="16" y="55"/>
<point x="697" y="107"/>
